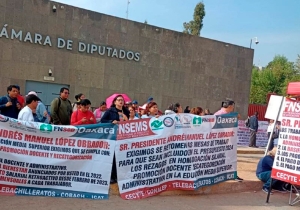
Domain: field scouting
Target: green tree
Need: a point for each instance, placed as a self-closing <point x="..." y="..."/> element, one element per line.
<point x="272" y="79"/>
<point x="194" y="26"/>
<point x="297" y="65"/>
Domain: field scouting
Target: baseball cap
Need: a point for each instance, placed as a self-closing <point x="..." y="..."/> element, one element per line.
<point x="150" y="98"/>
<point x="31" y="93"/>
<point x="134" y="102"/>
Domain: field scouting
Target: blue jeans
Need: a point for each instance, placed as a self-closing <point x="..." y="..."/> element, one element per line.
<point x="265" y="177"/>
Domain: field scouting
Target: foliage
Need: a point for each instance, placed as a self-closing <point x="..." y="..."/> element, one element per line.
<point x="194" y="26"/>
<point x="273" y="79"/>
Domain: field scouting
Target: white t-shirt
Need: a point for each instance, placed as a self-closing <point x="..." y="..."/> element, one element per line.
<point x="26" y="114"/>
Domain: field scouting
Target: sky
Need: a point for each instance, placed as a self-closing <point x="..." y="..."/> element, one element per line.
<point x="276" y="23"/>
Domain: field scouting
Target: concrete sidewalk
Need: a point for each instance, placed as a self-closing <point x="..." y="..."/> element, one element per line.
<point x="244" y="201"/>
<point x="250" y="150"/>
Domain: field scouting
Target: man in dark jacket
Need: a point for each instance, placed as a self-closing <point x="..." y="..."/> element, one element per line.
<point x="253" y="125"/>
<point x="9" y="105"/>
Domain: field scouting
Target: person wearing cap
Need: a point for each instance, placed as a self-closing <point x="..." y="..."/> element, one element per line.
<point x="150" y="99"/>
<point x="26" y="113"/>
<point x="135" y="106"/>
<point x="40" y="114"/>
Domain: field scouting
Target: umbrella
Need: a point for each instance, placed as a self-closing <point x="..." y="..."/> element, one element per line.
<point x="110" y="99"/>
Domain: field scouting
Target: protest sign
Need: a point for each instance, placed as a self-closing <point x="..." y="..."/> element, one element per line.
<point x="274" y="107"/>
<point x="178" y="151"/>
<point x="55" y="161"/>
<point x="261" y="135"/>
<point x="286" y="166"/>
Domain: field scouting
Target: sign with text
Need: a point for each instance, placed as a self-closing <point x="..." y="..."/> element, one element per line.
<point x="55" y="161"/>
<point x="178" y="151"/>
<point x="286" y="165"/>
<point x="261" y="135"/>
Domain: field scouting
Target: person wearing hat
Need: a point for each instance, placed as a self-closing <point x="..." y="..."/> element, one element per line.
<point x="135" y="106"/>
<point x="150" y="99"/>
<point x="31" y="104"/>
<point x="40" y="114"/>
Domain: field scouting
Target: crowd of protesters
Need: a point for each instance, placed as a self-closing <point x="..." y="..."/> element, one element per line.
<point x="64" y="112"/>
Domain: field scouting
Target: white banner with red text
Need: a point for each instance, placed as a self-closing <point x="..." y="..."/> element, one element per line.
<point x="286" y="166"/>
<point x="55" y="161"/>
<point x="178" y="151"/>
<point x="261" y="135"/>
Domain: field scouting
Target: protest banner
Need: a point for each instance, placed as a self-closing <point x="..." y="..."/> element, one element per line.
<point x="55" y="161"/>
<point x="261" y="135"/>
<point x="286" y="166"/>
<point x="178" y="151"/>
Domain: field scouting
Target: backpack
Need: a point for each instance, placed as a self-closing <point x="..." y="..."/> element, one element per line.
<point x="58" y="106"/>
<point x="247" y="122"/>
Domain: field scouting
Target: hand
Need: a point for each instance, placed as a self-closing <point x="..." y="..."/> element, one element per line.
<point x="45" y="113"/>
<point x="91" y="119"/>
<point x="18" y="106"/>
<point x="8" y="104"/>
<point x="84" y="119"/>
<point x="115" y="122"/>
<point x="125" y="118"/>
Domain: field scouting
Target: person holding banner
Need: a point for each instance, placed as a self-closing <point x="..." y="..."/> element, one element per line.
<point x="228" y="107"/>
<point x="116" y="113"/>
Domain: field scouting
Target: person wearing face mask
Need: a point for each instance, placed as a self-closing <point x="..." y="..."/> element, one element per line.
<point x="83" y="116"/>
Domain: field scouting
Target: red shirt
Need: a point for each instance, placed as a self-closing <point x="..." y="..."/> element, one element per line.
<point x="21" y="100"/>
<point x="78" y="115"/>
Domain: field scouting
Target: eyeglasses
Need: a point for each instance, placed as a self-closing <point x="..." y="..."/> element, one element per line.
<point x="120" y="99"/>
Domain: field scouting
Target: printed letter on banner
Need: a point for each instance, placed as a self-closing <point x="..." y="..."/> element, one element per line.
<point x="286" y="166"/>
<point x="261" y="135"/>
<point x="179" y="151"/>
<point x="55" y="161"/>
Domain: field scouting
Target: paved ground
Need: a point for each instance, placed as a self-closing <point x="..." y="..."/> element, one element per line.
<point x="245" y="201"/>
